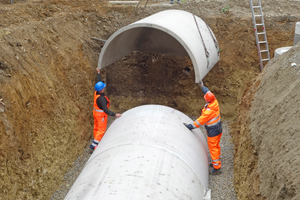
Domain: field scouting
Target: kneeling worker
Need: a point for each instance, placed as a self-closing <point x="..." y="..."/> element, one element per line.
<point x="210" y="118"/>
<point x="100" y="111"/>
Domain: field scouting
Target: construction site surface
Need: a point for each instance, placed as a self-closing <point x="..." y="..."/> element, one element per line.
<point x="47" y="75"/>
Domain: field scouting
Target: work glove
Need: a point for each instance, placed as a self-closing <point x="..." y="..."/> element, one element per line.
<point x="189" y="126"/>
<point x="201" y="84"/>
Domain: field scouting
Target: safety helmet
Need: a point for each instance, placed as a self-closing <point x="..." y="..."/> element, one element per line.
<point x="209" y="97"/>
<point x="99" y="86"/>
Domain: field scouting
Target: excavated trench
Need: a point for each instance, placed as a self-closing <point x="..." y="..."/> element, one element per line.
<point x="46" y="89"/>
<point x="159" y="79"/>
<point x="142" y="78"/>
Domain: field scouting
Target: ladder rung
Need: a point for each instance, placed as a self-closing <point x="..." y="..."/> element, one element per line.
<point x="259" y="24"/>
<point x="265" y="59"/>
<point x="261" y="33"/>
<point x="257" y="15"/>
<point x="262" y="42"/>
<point x="255" y="6"/>
<point x="264" y="51"/>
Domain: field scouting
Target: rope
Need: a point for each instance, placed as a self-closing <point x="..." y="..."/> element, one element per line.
<point x="130" y="18"/>
<point x="137" y="9"/>
<point x="205" y="49"/>
<point x="211" y="34"/>
<point x="143" y="10"/>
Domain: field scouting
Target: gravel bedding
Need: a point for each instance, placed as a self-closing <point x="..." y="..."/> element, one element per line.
<point x="221" y="185"/>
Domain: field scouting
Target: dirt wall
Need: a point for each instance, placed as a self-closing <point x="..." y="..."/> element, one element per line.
<point x="275" y="131"/>
<point x="47" y="71"/>
<point x="267" y="154"/>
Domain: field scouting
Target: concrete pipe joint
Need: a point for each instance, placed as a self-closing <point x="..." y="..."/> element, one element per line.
<point x="146" y="154"/>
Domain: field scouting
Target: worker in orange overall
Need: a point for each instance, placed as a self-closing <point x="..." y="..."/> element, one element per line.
<point x="210" y="118"/>
<point x="100" y="111"/>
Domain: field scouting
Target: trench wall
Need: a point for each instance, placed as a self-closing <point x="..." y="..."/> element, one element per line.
<point x="47" y="73"/>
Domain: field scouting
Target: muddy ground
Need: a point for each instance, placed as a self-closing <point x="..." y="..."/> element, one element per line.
<point x="47" y="72"/>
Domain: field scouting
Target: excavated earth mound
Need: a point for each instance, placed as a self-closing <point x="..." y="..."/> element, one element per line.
<point x="268" y="151"/>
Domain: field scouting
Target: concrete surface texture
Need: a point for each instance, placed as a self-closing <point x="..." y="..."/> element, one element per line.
<point x="47" y="72"/>
<point x="147" y="153"/>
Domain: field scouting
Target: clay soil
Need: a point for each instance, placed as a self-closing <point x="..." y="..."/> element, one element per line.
<point x="47" y="72"/>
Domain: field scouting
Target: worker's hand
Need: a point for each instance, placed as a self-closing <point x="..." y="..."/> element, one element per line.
<point x="201" y="84"/>
<point x="189" y="126"/>
<point x="118" y="115"/>
<point x="98" y="70"/>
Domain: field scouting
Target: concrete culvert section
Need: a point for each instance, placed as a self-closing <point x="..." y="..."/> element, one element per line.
<point x="146" y="154"/>
<point x="173" y="32"/>
<point x="47" y="72"/>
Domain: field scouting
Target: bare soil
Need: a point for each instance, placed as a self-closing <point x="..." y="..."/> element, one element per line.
<point x="47" y="72"/>
<point x="268" y="138"/>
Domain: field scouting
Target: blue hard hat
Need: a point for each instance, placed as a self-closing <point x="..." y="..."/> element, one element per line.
<point x="99" y="86"/>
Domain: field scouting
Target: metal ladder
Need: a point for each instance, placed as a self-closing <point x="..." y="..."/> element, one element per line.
<point x="262" y="32"/>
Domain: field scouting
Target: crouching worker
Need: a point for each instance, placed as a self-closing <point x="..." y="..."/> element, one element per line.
<point x="210" y="118"/>
<point x="100" y="111"/>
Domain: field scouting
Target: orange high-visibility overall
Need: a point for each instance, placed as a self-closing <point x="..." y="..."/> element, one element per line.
<point x="100" y="119"/>
<point x="210" y="117"/>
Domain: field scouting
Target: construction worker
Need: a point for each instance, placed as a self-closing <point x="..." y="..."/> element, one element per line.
<point x="210" y="118"/>
<point x="100" y="111"/>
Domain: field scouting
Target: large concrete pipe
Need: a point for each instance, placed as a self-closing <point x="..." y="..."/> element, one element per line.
<point x="146" y="154"/>
<point x="167" y="32"/>
<point x="297" y="33"/>
<point x="281" y="51"/>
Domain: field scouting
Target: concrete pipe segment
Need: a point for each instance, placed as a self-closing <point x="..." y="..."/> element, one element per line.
<point x="297" y="33"/>
<point x="168" y="32"/>
<point x="281" y="50"/>
<point x="146" y="154"/>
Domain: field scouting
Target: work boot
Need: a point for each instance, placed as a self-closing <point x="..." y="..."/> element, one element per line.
<point x="172" y="2"/>
<point x="178" y="2"/>
<point x="94" y="145"/>
<point x="215" y="171"/>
